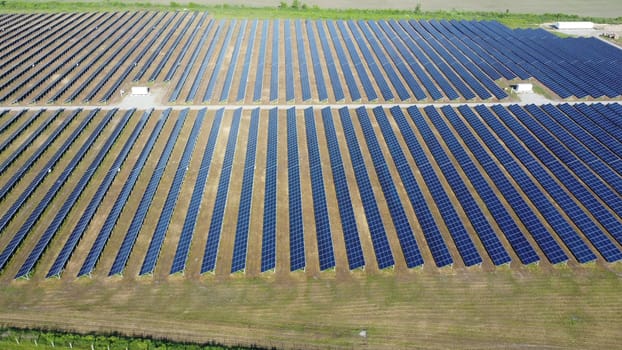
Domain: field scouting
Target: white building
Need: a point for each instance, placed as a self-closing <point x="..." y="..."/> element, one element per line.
<point x="140" y="90"/>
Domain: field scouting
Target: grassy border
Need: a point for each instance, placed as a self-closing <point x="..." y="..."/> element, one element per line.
<point x="295" y="11"/>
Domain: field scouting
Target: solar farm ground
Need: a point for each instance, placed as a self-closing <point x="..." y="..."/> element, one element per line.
<point x="484" y="222"/>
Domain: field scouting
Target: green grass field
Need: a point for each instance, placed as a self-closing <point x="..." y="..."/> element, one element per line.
<point x="567" y="307"/>
<point x="308" y="12"/>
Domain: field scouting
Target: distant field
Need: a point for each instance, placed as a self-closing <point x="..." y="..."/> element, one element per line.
<point x="596" y="8"/>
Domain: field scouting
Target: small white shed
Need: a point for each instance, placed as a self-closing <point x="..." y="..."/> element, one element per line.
<point x="574" y="25"/>
<point x="140" y="90"/>
<point x="522" y="88"/>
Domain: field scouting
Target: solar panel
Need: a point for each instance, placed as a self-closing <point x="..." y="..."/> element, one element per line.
<point x="88" y="214"/>
<point x="368" y="86"/>
<point x="188" y="67"/>
<point x="465" y="245"/>
<point x="315" y="60"/>
<point x="184" y="50"/>
<point x="171" y="199"/>
<point x="261" y="62"/>
<point x="240" y="244"/>
<point x="320" y="208"/>
<point x="302" y="63"/>
<point x="124" y="251"/>
<point x="224" y="50"/>
<point x="183" y="246"/>
<point x="115" y="212"/>
<point x="296" y="228"/>
<point x="38" y="179"/>
<point x="198" y="77"/>
<point x="215" y="228"/>
<point x="268" y="240"/>
<point x="428" y="225"/>
<point x="573" y="185"/>
<point x="409" y="246"/>
<point x="382" y="249"/>
<point x="29" y="140"/>
<point x="43" y="203"/>
<point x="69" y="203"/>
<point x="519" y="243"/>
<point x="354" y="252"/>
<point x="247" y="62"/>
<point x="355" y="95"/>
<point x="274" y="75"/>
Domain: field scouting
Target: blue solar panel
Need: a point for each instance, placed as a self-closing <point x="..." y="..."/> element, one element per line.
<point x="141" y="212"/>
<point x="188" y="67"/>
<point x="261" y="62"/>
<point x="224" y="50"/>
<point x="169" y="204"/>
<point x="414" y="41"/>
<point x="274" y="75"/>
<point x="296" y="228"/>
<point x="355" y="95"/>
<point x="198" y="77"/>
<point x="302" y="63"/>
<point x="240" y="244"/>
<point x="289" y="65"/>
<point x="136" y="58"/>
<point x="582" y="151"/>
<point x="381" y="82"/>
<point x="458" y="232"/>
<point x="158" y="50"/>
<point x="28" y="142"/>
<point x="399" y="63"/>
<point x="76" y="192"/>
<point x="589" y="118"/>
<point x="354" y="252"/>
<point x="70" y="79"/>
<point x="491" y="242"/>
<point x="572" y="240"/>
<point x="184" y="50"/>
<point x="44" y="202"/>
<point x="368" y="86"/>
<point x="320" y="208"/>
<point x="519" y="243"/>
<point x="247" y="62"/>
<point x="579" y="168"/>
<point x="183" y="246"/>
<point x="268" y="244"/>
<point x="385" y="62"/>
<point x="579" y="191"/>
<point x="330" y="63"/>
<point x="88" y="214"/>
<point x="115" y="212"/>
<point x="34" y="183"/>
<point x="384" y="256"/>
<point x="224" y="95"/>
<point x="594" y="144"/>
<point x="215" y="228"/>
<point x="20" y="129"/>
<point x="428" y="225"/>
<point x="411" y="252"/>
<point x="547" y="243"/>
<point x="315" y="60"/>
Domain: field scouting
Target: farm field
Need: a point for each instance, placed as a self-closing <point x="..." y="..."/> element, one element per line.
<point x="281" y="170"/>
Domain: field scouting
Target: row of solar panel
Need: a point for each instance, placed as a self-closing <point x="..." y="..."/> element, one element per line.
<point x="547" y="169"/>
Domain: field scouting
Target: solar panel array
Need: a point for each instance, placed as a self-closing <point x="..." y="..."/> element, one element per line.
<point x="99" y="192"/>
<point x="399" y="180"/>
<point x="92" y="57"/>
